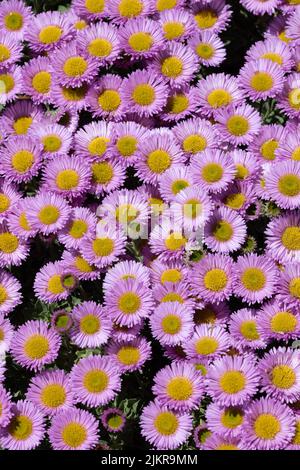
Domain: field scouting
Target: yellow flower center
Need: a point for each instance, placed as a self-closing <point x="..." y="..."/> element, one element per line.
<point x="3" y="294"/>
<point x="98" y="146"/>
<point x="127" y="145"/>
<point x="283" y="377"/>
<point x="141" y="41"/>
<point x="8" y="242"/>
<point x="232" y="417"/>
<point x="261" y="81"/>
<point x="13" y="21"/>
<point x="96" y="381"/>
<point x="266" y="426"/>
<point x="253" y="279"/>
<point x="194" y="143"/>
<point x="294" y="287"/>
<point x="215" y="280"/>
<point x="50" y="34"/>
<point x="95" y="6"/>
<point x="179" y="185"/>
<point x="100" y="47"/>
<point x="283" y="322"/>
<point x="232" y="382"/>
<point x="74" y="94"/>
<point x="227" y="447"/>
<point x="241" y="171"/>
<point x="172" y="67"/>
<point x="177" y="103"/>
<point x="173" y="30"/>
<point x="291" y="238"/>
<point x="296" y="438"/>
<point x="7" y="83"/>
<point x="273" y="57"/>
<point x="268" y="149"/>
<point x="115" y="421"/>
<point x="179" y="388"/>
<point x="289" y="185"/>
<point x="41" y="82"/>
<point x="82" y="265"/>
<point x="78" y="228"/>
<point x="81" y="24"/>
<point x="212" y="172"/>
<point x="126" y="213"/>
<point x="172" y="297"/>
<point x="237" y="125"/>
<point x="109" y="100"/>
<point x="129" y="303"/>
<point x="67" y="179"/>
<point x="128" y="355"/>
<point x="206" y="345"/>
<point x="54" y="285"/>
<point x="162" y="5"/>
<point x="294" y="98"/>
<point x="166" y="423"/>
<point x="4" y="203"/>
<point x="51" y="143"/>
<point x="235" y="201"/>
<point x="4" y="53"/>
<point x="248" y="329"/>
<point x="20" y="427"/>
<point x="205" y="50"/>
<point x="143" y="94"/>
<point x="175" y="241"/>
<point x="223" y="231"/>
<point x="22" y="124"/>
<point x="171" y="275"/>
<point x="206" y="18"/>
<point x="36" y="346"/>
<point x="158" y="161"/>
<point x="102" y="172"/>
<point x="75" y="66"/>
<point x="22" y="161"/>
<point x="130" y="8"/>
<point x="89" y="324"/>
<point x="283" y="37"/>
<point x="103" y="246"/>
<point x="74" y="435"/>
<point x="296" y="154"/>
<point x="218" y="98"/>
<point x="171" y="324"/>
<point x="53" y="395"/>
<point x="49" y="215"/>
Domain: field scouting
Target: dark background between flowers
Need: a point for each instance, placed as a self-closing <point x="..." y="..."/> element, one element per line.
<point x="243" y="31"/>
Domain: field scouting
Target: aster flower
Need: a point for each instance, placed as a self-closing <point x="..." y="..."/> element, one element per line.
<point x="10" y="50"/>
<point x="67" y="176"/>
<point x="292" y="24"/>
<point x="288" y="101"/>
<point x="218" y="91"/>
<point x="213" y="17"/>
<point x="15" y="18"/>
<point x="128" y="269"/>
<point x="61" y="321"/>
<point x="289" y="147"/>
<point x="91" y="325"/>
<point x="100" y="41"/>
<point x="269" y="425"/>
<point x="174" y="292"/>
<point x="123" y="10"/>
<point x="177" y="25"/>
<point x="218" y="442"/>
<point x="163" y="428"/>
<point x="19" y="117"/>
<point x="267" y="141"/>
<point x="289" y="285"/>
<point x="200" y="435"/>
<point x="192" y="208"/>
<point x="144" y="93"/>
<point x="10" y="294"/>
<point x="12" y="249"/>
<point x="11" y="84"/>
<point x="174" y="181"/>
<point x="51" y="392"/>
<point x="5" y="405"/>
<point x="239" y="196"/>
<point x="181" y="103"/>
<point x="37" y="79"/>
<point x="282" y="184"/>
<point x="209" y="48"/>
<point x="55" y="139"/>
<point x="79" y="266"/>
<point x="48" y="283"/>
<point x="195" y="136"/>
<point x="231" y="381"/>
<point x="164" y="273"/>
<point x="141" y="38"/>
<point x="9" y="198"/>
<point x="105" y="98"/>
<point x="17" y="220"/>
<point x="177" y="64"/>
<point x="243" y="328"/>
<point x="260" y="8"/>
<point x="212" y="278"/>
<point x="208" y="341"/>
<point x="171" y="323"/>
<point x="261" y="79"/>
<point x="20" y="159"/>
<point x="275" y="321"/>
<point x="35" y="344"/>
<point x="6" y="334"/>
<point x="104" y="248"/>
<point x="238" y="124"/>
<point x="26" y="428"/>
<point x="213" y="171"/>
<point x="294" y="445"/>
<point x="283" y="238"/>
<point x="162" y="5"/>
<point x="90" y="9"/>
<point x="168" y="241"/>
<point x="159" y="153"/>
<point x="131" y="355"/>
<point x="113" y="420"/>
<point x="95" y="381"/>
<point x="73" y="429"/>
<point x="70" y="99"/>
<point x="47" y="212"/>
<point x="48" y="31"/>
<point x="128" y="140"/>
<point x="225" y="421"/>
<point x="82" y="224"/>
<point x="271" y="49"/>
<point x="93" y="140"/>
<point x="225" y="231"/>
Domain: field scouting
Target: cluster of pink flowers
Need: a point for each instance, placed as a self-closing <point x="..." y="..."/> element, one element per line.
<point x="158" y="186"/>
